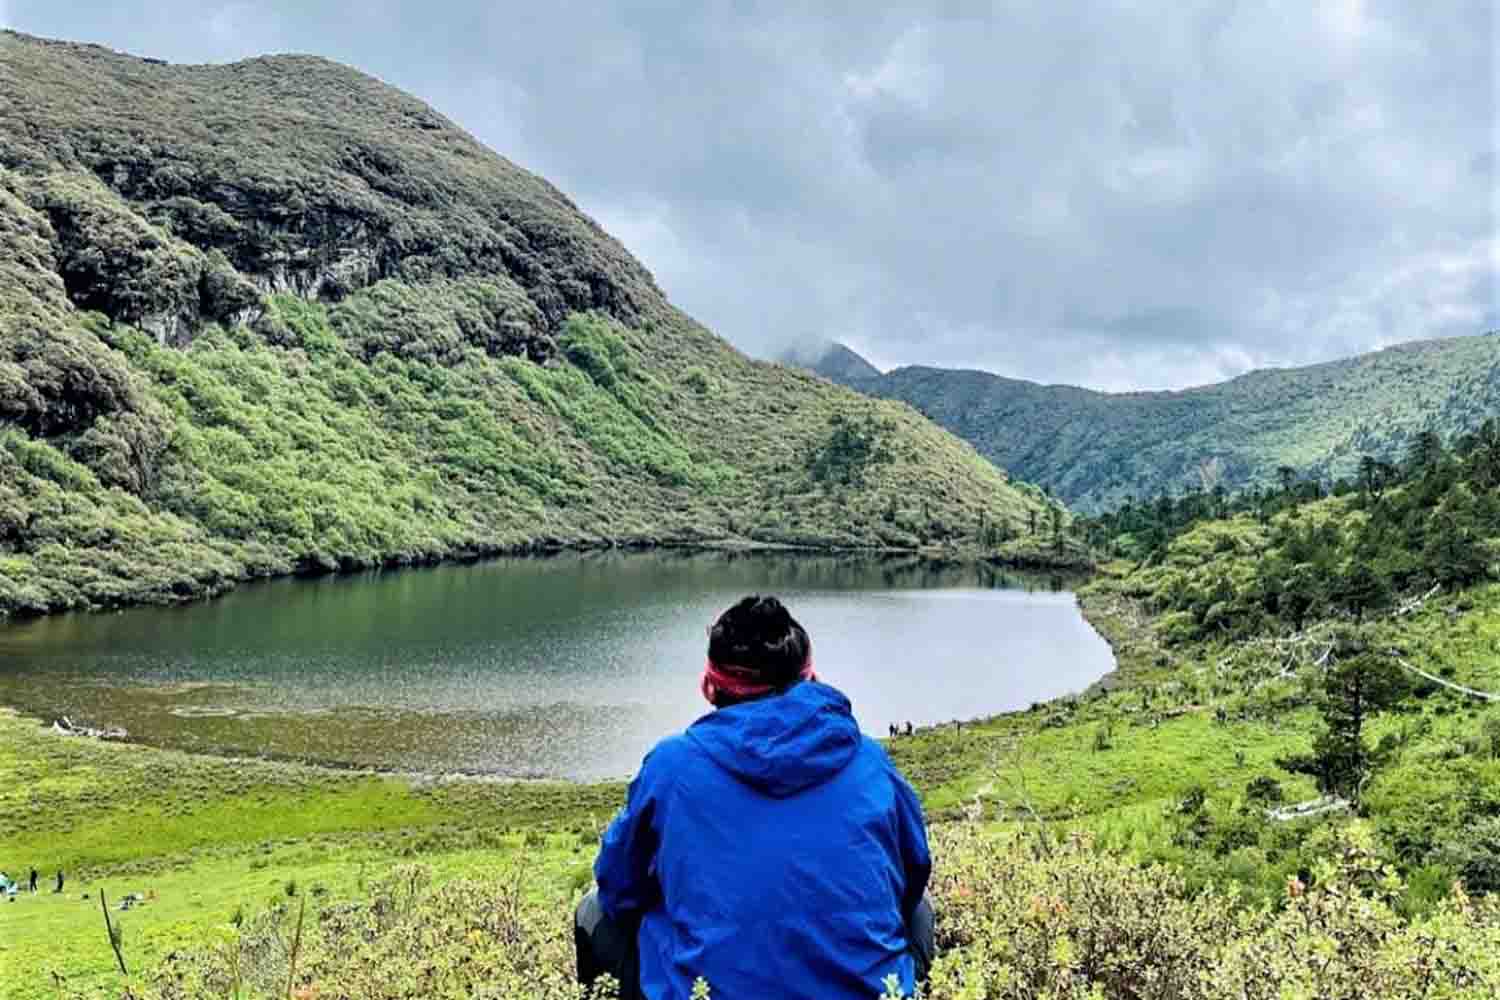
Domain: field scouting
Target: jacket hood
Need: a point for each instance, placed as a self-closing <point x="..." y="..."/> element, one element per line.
<point x="782" y="744"/>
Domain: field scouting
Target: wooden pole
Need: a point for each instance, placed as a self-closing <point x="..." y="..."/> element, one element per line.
<point x="110" y="930"/>
<point x="291" y="974"/>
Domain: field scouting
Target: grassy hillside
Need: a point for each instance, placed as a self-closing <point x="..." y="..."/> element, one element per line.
<point x="276" y="316"/>
<point x="1359" y="634"/>
<point x="1118" y="842"/>
<point x="1095" y="449"/>
<point x="1142" y="840"/>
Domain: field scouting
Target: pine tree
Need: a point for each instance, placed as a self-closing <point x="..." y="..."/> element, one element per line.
<point x="1423" y="454"/>
<point x="1353" y="690"/>
<point x="1362" y="588"/>
<point x="1455" y="553"/>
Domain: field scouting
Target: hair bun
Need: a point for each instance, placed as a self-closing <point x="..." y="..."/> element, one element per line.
<point x="760" y="634"/>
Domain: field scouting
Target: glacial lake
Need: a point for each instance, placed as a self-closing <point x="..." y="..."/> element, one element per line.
<point x="564" y="666"/>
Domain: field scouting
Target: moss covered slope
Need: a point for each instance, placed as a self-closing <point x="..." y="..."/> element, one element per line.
<point x="1095" y="449"/>
<point x="277" y="316"/>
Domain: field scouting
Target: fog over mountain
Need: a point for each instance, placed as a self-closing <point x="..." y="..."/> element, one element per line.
<point x="1128" y="196"/>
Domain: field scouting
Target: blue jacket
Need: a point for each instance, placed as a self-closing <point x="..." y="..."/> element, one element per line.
<point x="771" y="849"/>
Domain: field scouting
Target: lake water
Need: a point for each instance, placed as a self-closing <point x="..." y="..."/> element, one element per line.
<point x="566" y="666"/>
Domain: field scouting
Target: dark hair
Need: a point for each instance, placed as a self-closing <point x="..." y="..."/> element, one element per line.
<point x="760" y="634"/>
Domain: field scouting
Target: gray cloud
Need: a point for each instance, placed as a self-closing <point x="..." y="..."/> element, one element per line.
<point x="1103" y="195"/>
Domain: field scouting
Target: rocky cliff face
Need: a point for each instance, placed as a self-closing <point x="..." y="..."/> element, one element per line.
<point x="175" y="196"/>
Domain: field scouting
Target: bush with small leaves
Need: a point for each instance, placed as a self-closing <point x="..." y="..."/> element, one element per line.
<point x="1019" y="918"/>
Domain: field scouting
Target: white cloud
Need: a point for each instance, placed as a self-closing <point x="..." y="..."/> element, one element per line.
<point x="906" y="72"/>
<point x="1122" y="195"/>
<point x="230" y="22"/>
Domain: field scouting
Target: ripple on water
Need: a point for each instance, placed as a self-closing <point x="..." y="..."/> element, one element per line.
<point x="562" y="667"/>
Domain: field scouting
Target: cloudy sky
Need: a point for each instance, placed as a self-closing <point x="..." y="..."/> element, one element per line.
<point x="1143" y="194"/>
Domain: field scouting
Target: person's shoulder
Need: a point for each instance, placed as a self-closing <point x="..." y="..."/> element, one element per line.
<point x="872" y="748"/>
<point x="877" y="757"/>
<point x="670" y="755"/>
<point x="873" y="755"/>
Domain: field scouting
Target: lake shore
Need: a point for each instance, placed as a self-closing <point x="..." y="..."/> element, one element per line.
<point x="1121" y="629"/>
<point x="211" y="837"/>
<point x="1019" y="555"/>
<point x="486" y="668"/>
<point x="207" y="835"/>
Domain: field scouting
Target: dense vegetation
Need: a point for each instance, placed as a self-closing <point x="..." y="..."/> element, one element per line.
<point x="1065" y="923"/>
<point x="437" y="889"/>
<point x="1221" y="565"/>
<point x="277" y="317"/>
<point x="1356" y="635"/>
<point x="1095" y="450"/>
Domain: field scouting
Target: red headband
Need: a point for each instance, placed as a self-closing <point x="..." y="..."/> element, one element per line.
<point x="735" y="684"/>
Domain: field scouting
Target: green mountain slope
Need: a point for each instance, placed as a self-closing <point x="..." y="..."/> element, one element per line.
<point x="276" y="316"/>
<point x="1094" y="449"/>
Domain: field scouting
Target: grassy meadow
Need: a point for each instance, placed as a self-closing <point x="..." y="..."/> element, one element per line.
<point x="1146" y="769"/>
<point x="210" y="840"/>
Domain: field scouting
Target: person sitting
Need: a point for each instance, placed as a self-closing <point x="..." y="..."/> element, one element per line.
<point x="771" y="849"/>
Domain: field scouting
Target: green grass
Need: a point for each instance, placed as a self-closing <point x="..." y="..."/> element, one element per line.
<point x="94" y="807"/>
<point x="209" y="837"/>
<point x="1058" y="770"/>
<point x="1119" y="763"/>
<point x="189" y="906"/>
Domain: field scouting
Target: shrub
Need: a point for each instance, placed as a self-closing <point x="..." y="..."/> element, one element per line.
<point x="1019" y="918"/>
<point x="1079" y="923"/>
<point x="1264" y="790"/>
<point x="1474" y="854"/>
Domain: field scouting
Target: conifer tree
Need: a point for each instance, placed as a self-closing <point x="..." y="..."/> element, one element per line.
<point x="1354" y="689"/>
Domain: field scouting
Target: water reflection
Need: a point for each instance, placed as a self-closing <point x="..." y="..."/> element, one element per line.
<point x="570" y="665"/>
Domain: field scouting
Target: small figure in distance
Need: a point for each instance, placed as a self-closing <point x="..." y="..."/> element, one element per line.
<point x="909" y="729"/>
<point x="33" y="880"/>
<point x="59" y="881"/>
<point x="958" y="726"/>
<point x="894" y="730"/>
<point x="772" y="849"/>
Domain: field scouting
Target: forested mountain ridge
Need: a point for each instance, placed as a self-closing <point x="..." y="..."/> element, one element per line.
<point x="1095" y="449"/>
<point x="277" y="316"/>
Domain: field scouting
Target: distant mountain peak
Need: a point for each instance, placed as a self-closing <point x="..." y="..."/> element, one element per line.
<point x="833" y="361"/>
<point x="1095" y="449"/>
